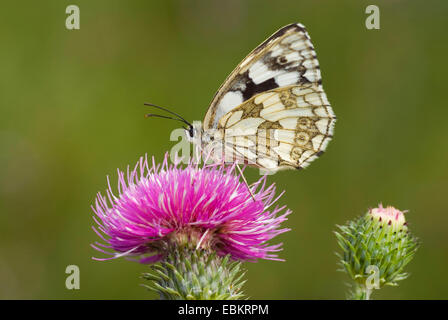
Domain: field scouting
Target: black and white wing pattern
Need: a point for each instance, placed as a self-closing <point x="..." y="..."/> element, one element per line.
<point x="272" y="112"/>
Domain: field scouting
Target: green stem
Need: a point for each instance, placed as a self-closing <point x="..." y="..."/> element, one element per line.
<point x="195" y="274"/>
<point x="360" y="292"/>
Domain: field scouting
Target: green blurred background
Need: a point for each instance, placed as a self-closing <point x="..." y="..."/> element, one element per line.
<point x="71" y="113"/>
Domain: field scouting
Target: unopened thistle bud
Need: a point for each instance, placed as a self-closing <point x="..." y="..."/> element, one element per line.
<point x="376" y="248"/>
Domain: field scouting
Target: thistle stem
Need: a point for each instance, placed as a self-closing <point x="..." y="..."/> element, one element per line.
<point x="360" y="292"/>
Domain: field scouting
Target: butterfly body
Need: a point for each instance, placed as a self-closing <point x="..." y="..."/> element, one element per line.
<point x="271" y="112"/>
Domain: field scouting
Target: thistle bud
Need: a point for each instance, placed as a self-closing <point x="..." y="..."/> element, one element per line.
<point x="389" y="217"/>
<point x="376" y="248"/>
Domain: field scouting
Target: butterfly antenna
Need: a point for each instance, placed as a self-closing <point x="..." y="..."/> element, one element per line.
<point x="169" y="111"/>
<point x="245" y="181"/>
<point x="152" y="115"/>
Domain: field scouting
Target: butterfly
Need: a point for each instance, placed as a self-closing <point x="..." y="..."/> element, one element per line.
<point x="271" y="112"/>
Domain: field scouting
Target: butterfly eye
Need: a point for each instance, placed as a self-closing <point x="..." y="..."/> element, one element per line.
<point x="191" y="131"/>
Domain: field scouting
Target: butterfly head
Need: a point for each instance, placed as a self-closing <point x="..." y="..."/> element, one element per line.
<point x="191" y="133"/>
<point x="194" y="132"/>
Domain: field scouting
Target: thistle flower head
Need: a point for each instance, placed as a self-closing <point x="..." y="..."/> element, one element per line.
<point x="206" y="208"/>
<point x="389" y="216"/>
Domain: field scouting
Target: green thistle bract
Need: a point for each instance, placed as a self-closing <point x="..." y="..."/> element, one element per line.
<point x="190" y="274"/>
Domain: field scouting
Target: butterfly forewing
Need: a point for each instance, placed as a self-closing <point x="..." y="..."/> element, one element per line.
<point x="285" y="58"/>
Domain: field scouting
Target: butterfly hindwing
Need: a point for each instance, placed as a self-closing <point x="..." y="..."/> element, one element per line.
<point x="284" y="127"/>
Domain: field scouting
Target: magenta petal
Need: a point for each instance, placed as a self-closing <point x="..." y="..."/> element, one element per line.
<point x="154" y="202"/>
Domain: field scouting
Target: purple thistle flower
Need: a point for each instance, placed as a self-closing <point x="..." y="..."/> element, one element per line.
<point x="207" y="208"/>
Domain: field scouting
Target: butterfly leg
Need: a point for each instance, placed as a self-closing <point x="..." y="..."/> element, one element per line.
<point x="245" y="181"/>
